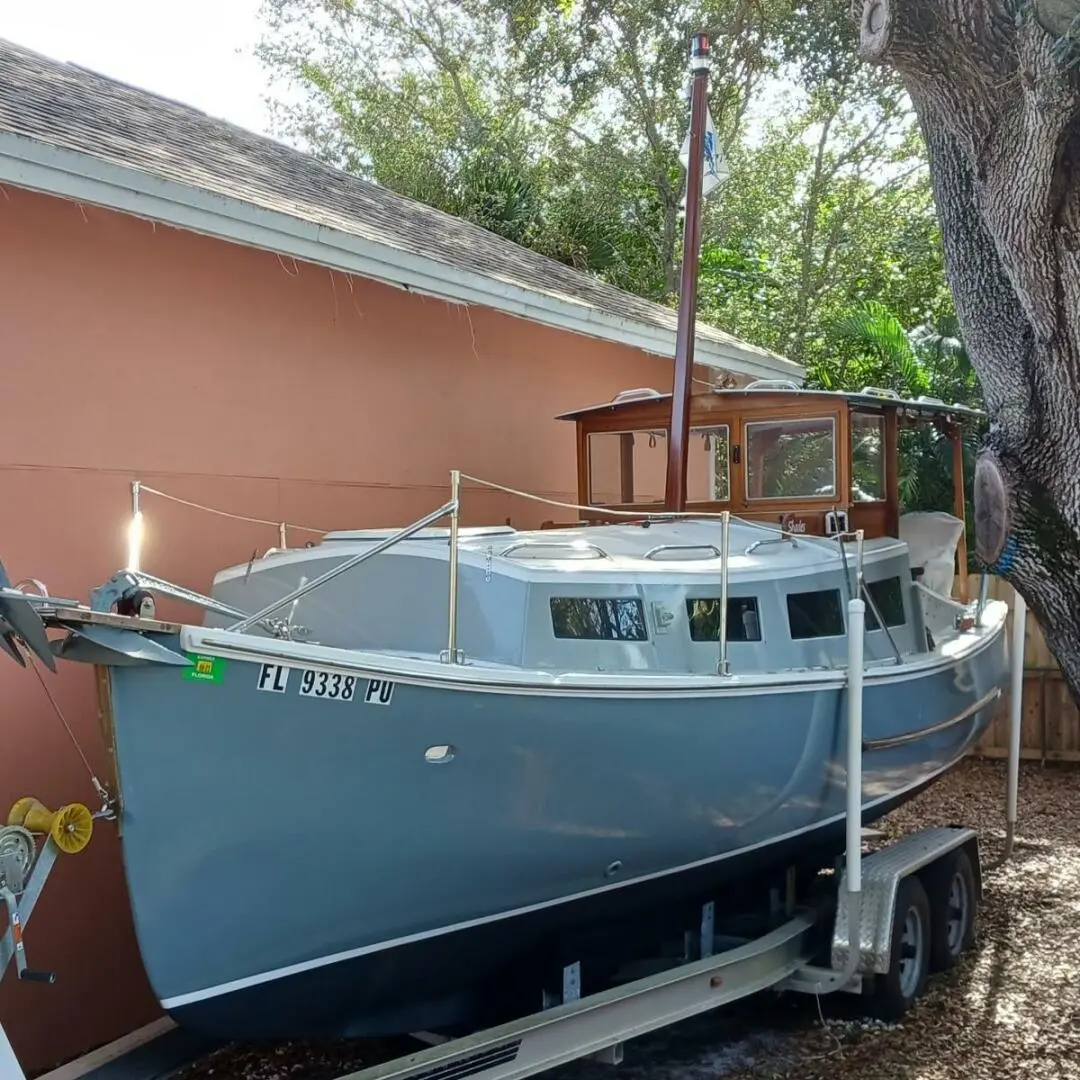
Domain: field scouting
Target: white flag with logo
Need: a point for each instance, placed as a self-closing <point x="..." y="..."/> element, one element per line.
<point x="715" y="167"/>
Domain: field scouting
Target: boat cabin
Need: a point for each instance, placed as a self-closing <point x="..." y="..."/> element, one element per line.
<point x="808" y="461"/>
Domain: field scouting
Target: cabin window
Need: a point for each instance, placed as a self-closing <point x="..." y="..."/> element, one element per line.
<point x="630" y="467"/>
<point x="607" y="619"/>
<point x="743" y="622"/>
<point x="791" y="459"/>
<point x="627" y="467"/>
<point x="707" y="463"/>
<point x="867" y="457"/>
<point x="815" y="614"/>
<point x="889" y="597"/>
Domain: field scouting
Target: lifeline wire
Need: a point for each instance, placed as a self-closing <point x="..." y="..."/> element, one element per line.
<point x="595" y="509"/>
<point x="657" y="515"/>
<point x="225" y="513"/>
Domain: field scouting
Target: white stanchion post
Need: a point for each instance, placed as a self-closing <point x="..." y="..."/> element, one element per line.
<point x="1016" y="711"/>
<point x="135" y="530"/>
<point x="856" y="625"/>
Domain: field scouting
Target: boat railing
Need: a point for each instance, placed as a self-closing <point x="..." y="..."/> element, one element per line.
<point x="723" y="666"/>
<point x="783" y="538"/>
<point x="452" y="653"/>
<point x="450" y="508"/>
<point x="984" y="595"/>
<point x="654" y="553"/>
<point x="143" y="580"/>
<point x="571" y="547"/>
<point x="860" y="590"/>
<point x="772" y="384"/>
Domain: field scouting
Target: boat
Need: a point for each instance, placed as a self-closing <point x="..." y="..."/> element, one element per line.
<point x="397" y="780"/>
<point x="393" y="775"/>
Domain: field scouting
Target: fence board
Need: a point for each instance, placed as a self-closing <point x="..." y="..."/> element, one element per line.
<point x="1050" y="721"/>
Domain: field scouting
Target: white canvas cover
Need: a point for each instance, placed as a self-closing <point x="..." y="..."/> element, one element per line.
<point x="931" y="537"/>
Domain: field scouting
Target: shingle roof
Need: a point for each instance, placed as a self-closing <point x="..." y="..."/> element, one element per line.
<point x="70" y="108"/>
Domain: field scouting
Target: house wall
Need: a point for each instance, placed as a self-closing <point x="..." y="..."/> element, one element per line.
<point x="240" y="380"/>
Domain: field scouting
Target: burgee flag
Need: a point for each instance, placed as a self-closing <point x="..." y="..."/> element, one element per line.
<point x="716" y="168"/>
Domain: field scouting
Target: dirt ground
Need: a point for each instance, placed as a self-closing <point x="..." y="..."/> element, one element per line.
<point x="1010" y="1009"/>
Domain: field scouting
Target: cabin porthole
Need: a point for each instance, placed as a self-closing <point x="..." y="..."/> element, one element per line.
<point x="439" y="755"/>
<point x="613" y="868"/>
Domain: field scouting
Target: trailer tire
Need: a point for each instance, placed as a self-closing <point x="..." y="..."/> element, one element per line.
<point x="953" y="905"/>
<point x="909" y="953"/>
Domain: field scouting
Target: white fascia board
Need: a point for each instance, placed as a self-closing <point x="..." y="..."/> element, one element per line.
<point x="70" y="174"/>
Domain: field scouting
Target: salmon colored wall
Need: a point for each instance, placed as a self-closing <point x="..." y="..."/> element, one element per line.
<point x="244" y="381"/>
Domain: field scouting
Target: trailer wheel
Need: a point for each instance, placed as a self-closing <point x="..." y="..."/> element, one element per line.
<point x="952" y="910"/>
<point x="909" y="952"/>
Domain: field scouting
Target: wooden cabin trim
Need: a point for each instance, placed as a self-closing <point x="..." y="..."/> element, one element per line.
<point x="841" y="496"/>
<point x="735" y="410"/>
<point x="892" y="473"/>
<point x="583" y="464"/>
<point x="843" y="460"/>
<point x="650" y="414"/>
<point x="956" y="435"/>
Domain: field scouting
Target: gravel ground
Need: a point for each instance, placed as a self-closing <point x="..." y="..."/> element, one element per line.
<point x="1010" y="1009"/>
<point x="1012" y="1006"/>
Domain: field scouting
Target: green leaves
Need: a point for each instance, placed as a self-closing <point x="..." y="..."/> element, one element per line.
<point x="557" y="124"/>
<point x="929" y="359"/>
<point x="890" y="360"/>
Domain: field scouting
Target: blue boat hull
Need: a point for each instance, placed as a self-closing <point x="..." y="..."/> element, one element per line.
<point x="298" y="867"/>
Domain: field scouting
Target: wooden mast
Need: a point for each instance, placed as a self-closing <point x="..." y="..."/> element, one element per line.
<point x="679" y="436"/>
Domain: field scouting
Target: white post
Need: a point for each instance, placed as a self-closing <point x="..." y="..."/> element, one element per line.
<point x="10" y="1069"/>
<point x="856" y="630"/>
<point x="135" y="530"/>
<point x="984" y="593"/>
<point x="1016" y="712"/>
<point x="723" y="667"/>
<point x="455" y="498"/>
<point x="853" y="858"/>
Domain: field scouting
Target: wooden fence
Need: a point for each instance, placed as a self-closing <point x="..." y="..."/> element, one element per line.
<point x="1050" y="728"/>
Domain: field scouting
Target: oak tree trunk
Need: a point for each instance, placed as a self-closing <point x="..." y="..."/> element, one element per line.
<point x="995" y="86"/>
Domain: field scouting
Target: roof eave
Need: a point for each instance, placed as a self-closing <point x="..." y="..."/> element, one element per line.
<point x="38" y="166"/>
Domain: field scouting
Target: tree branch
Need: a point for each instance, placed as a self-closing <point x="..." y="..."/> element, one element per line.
<point x="996" y="331"/>
<point x="1018" y="170"/>
<point x="952" y="53"/>
<point x="996" y="88"/>
<point x="652" y="133"/>
<point x="809" y="233"/>
<point x="565" y="125"/>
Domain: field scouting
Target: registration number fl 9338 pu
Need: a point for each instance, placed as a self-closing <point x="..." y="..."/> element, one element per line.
<point x="324" y="685"/>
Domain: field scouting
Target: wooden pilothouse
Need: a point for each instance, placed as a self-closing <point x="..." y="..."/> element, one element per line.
<point x="807" y="461"/>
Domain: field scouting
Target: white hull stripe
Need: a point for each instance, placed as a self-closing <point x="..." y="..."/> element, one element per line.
<point x="424" y="935"/>
<point x="484" y="679"/>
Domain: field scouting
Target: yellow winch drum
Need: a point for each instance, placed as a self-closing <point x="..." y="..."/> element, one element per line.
<point x="70" y="827"/>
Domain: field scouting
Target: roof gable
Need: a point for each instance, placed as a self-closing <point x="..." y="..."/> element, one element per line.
<point x="112" y="126"/>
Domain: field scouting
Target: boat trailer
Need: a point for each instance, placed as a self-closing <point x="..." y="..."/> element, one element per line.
<point x="897" y="914"/>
